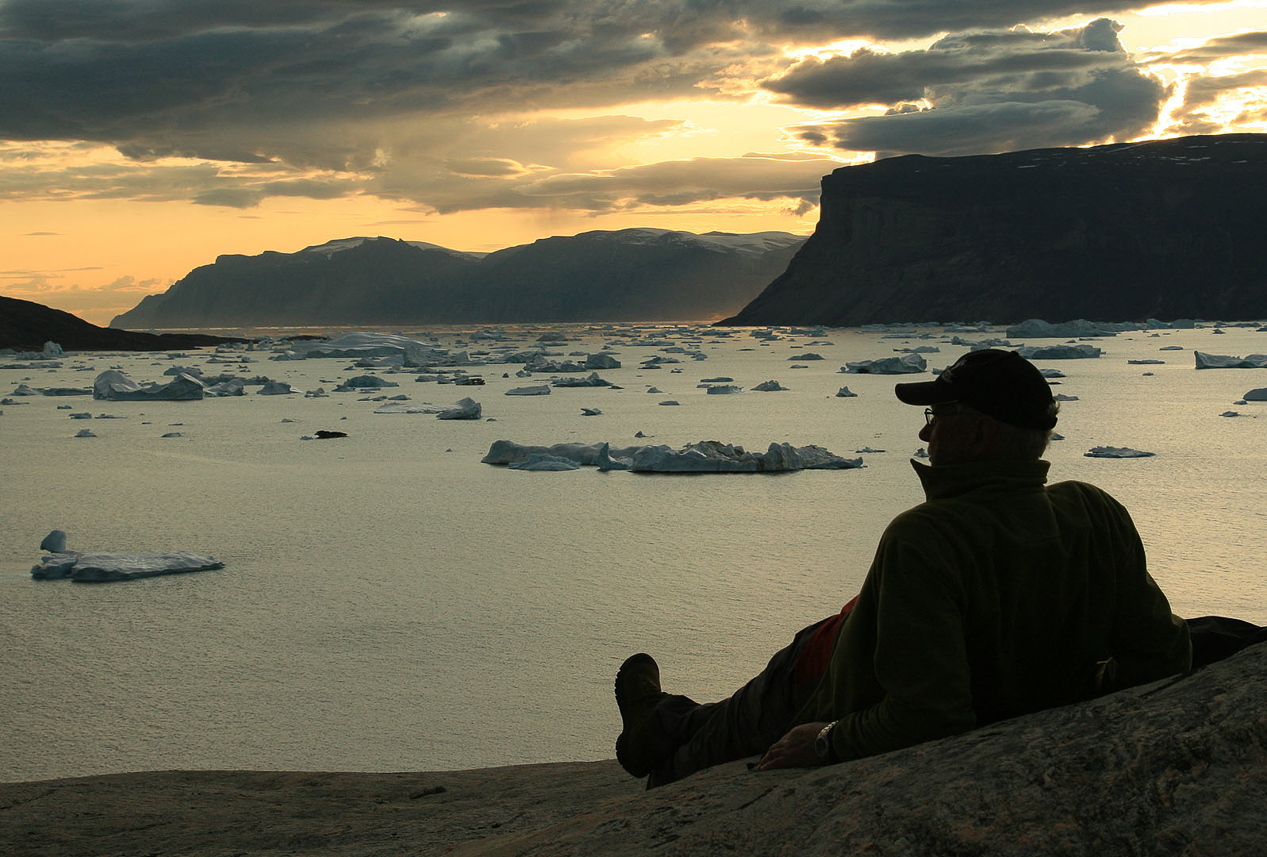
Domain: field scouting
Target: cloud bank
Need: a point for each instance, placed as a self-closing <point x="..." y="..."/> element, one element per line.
<point x="454" y="107"/>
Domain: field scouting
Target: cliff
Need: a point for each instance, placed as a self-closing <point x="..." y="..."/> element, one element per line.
<point x="1176" y="767"/>
<point x="1164" y="229"/>
<point x="26" y="326"/>
<point x="627" y="275"/>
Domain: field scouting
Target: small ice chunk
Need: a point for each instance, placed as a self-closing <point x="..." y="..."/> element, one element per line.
<point x="84" y="433"/>
<point x="463" y="409"/>
<point x="1258" y="394"/>
<point x="770" y="387"/>
<point x="535" y="390"/>
<point x="1116" y="452"/>
<point x="846" y="393"/>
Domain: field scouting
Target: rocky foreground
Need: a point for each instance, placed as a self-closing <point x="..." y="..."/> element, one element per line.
<point x="1176" y="767"/>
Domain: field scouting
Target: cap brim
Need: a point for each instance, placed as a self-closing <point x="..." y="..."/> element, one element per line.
<point x="933" y="392"/>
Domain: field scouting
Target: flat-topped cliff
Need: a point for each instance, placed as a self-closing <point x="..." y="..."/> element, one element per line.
<point x="1163" y="229"/>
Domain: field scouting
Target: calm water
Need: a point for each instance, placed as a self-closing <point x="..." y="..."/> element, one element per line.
<point x="391" y="603"/>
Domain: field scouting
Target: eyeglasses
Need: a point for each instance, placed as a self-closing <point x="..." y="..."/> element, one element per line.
<point x="948" y="410"/>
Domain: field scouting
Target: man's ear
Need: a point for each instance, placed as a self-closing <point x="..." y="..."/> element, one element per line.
<point x="984" y="433"/>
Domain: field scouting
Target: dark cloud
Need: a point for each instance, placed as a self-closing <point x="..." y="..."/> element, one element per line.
<point x="325" y="98"/>
<point x="1238" y="44"/>
<point x="1013" y="60"/>
<point x="987" y="92"/>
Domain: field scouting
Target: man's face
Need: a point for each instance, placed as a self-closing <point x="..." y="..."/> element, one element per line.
<point x="953" y="437"/>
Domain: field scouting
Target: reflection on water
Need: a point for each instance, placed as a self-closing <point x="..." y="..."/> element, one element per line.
<point x="389" y="602"/>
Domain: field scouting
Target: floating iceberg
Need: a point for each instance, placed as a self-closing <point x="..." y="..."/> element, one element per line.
<point x="587" y="454"/>
<point x="359" y="345"/>
<point x="537" y="390"/>
<point x="1115" y="452"/>
<point x="1215" y="361"/>
<point x="770" y="387"/>
<point x="723" y="389"/>
<point x="601" y="361"/>
<point x="704" y="457"/>
<point x="1059" y="352"/>
<point x="115" y="386"/>
<point x="1036" y="328"/>
<point x="908" y="364"/>
<point x="846" y="393"/>
<point x="277" y="388"/>
<point x="463" y="409"/>
<point x="1256" y="395"/>
<point x="364" y="382"/>
<point x="61" y="563"/>
<point x="592" y="380"/>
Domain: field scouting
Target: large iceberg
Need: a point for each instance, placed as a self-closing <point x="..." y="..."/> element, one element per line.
<point x="1216" y="361"/>
<point x="92" y="567"/>
<point x="1059" y="352"/>
<point x="707" y="456"/>
<point x="115" y="386"/>
<point x="1036" y="328"/>
<point x="361" y="344"/>
<point x="908" y="364"/>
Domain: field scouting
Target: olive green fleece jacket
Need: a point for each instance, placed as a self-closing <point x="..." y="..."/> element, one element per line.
<point x="997" y="597"/>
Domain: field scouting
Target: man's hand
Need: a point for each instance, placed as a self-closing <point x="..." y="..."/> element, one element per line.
<point x="793" y="750"/>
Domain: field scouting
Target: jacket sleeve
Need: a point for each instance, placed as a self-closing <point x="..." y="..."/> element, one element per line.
<point x="1147" y="641"/>
<point x="920" y="658"/>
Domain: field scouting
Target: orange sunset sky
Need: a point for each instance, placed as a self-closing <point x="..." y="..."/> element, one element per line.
<point x="139" y="140"/>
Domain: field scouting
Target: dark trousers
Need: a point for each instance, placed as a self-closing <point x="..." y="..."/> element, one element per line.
<point x="746" y="724"/>
<point x="762" y="711"/>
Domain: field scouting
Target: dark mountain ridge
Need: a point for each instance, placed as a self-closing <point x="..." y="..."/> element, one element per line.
<point x="26" y="326"/>
<point x="1164" y="229"/>
<point x="626" y="275"/>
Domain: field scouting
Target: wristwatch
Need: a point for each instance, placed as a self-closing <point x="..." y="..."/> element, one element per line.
<point x="822" y="745"/>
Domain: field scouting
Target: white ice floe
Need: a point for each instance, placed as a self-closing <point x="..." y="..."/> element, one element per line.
<point x="535" y="390"/>
<point x="601" y="361"/>
<point x="359" y="383"/>
<point x="278" y="388"/>
<point x="1059" y="352"/>
<point x="230" y="387"/>
<point x="115" y="386"/>
<point x="93" y="567"/>
<point x="1216" y="361"/>
<point x="592" y="380"/>
<point x="770" y="387"/>
<point x="591" y="412"/>
<point x="723" y="389"/>
<point x="1116" y="452"/>
<point x="907" y="364"/>
<point x="1036" y="328"/>
<point x="463" y="409"/>
<point x="703" y="457"/>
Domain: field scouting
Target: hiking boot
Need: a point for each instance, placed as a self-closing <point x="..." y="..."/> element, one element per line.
<point x="641" y="745"/>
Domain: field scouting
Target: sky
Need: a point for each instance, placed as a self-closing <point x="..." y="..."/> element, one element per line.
<point x="140" y="139"/>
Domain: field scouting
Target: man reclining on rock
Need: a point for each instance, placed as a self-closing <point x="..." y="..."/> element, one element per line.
<point x="999" y="596"/>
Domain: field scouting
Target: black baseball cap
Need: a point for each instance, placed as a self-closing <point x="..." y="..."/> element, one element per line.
<point x="1000" y="384"/>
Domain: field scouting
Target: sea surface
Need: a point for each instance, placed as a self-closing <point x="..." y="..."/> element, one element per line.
<point x="389" y="602"/>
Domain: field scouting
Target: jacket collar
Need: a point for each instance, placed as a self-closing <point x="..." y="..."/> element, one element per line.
<point x="945" y="481"/>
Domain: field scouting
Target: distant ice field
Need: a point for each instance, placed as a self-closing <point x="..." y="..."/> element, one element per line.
<point x="389" y="602"/>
